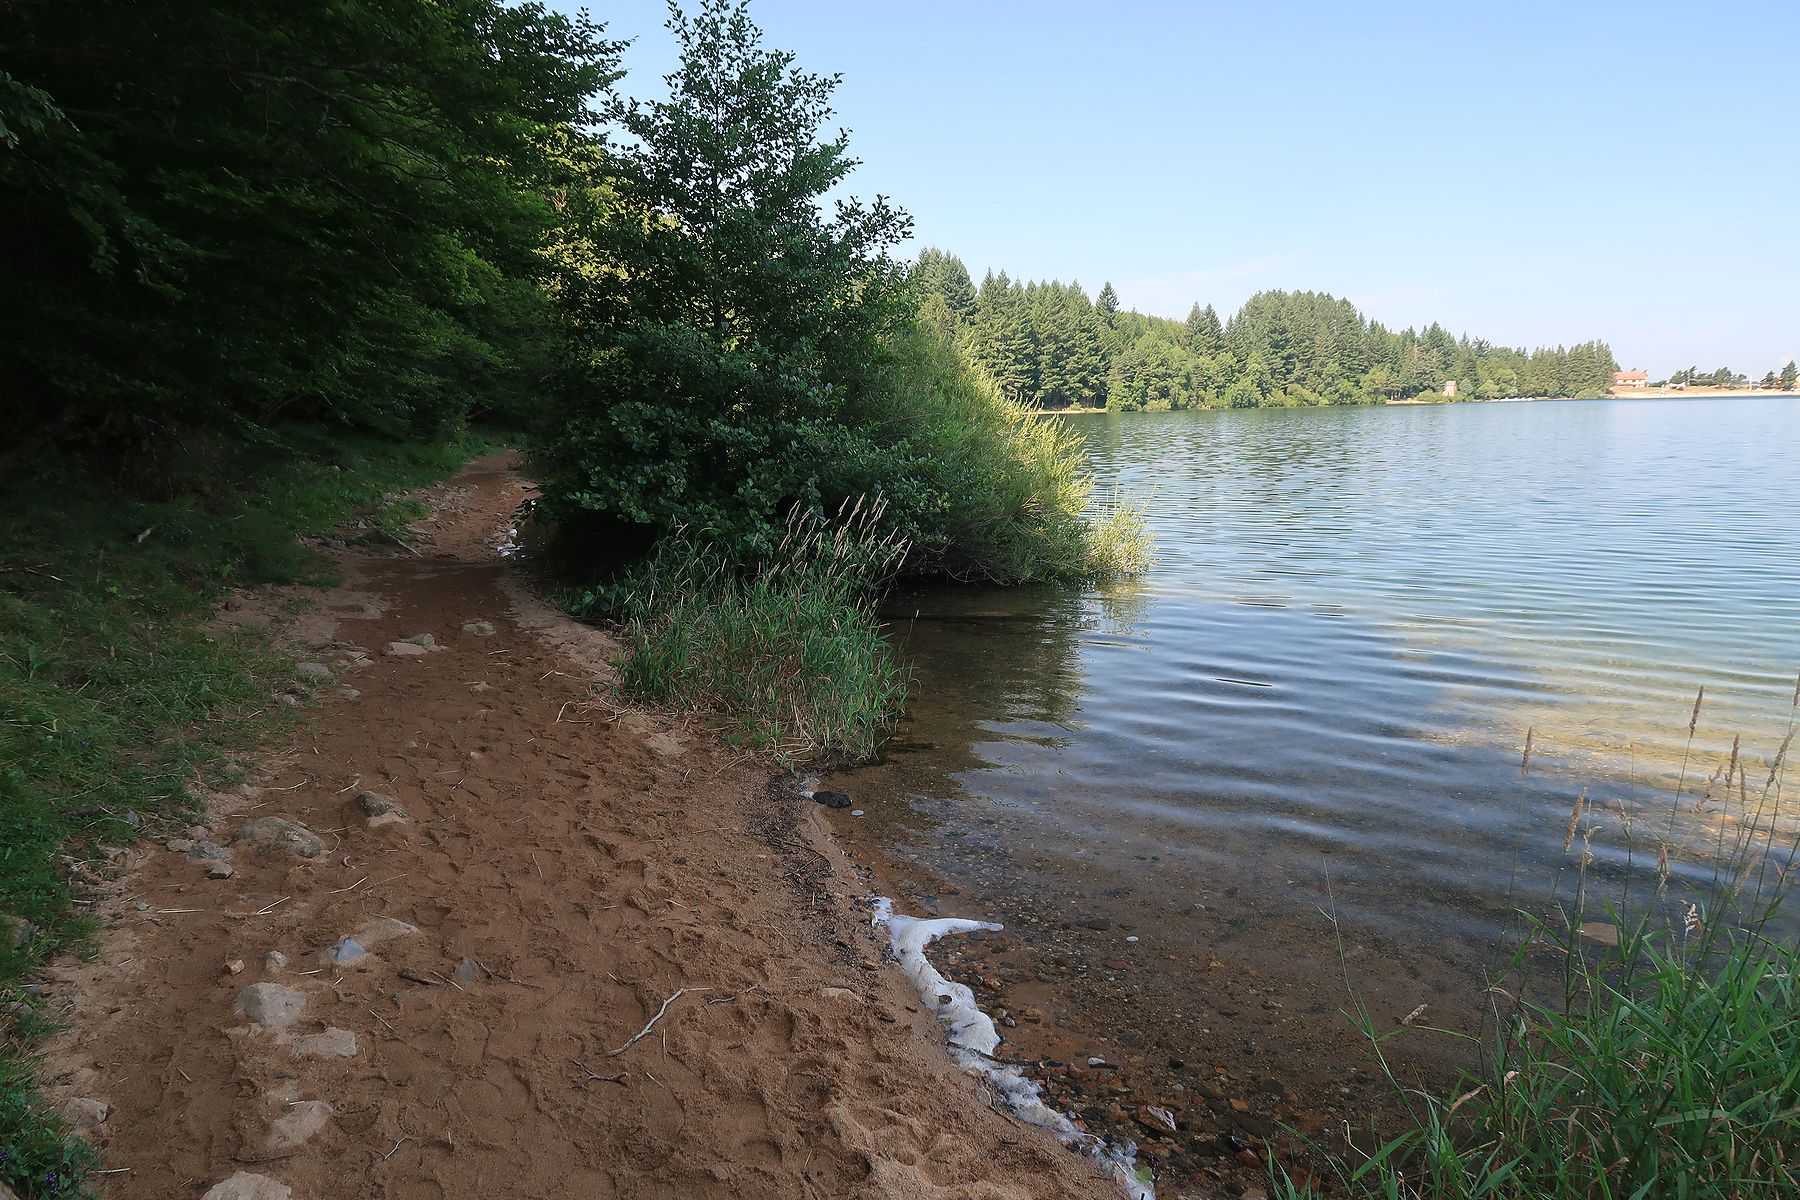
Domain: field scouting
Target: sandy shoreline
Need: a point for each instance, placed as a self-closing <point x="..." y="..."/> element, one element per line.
<point x="595" y="956"/>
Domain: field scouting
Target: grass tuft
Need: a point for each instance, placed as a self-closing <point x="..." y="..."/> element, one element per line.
<point x="788" y="659"/>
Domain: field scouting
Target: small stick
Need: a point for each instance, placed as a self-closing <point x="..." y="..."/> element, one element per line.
<point x="403" y="1138"/>
<point x="638" y="1036"/>
<point x="420" y="979"/>
<point x="592" y="1075"/>
<point x="351" y="888"/>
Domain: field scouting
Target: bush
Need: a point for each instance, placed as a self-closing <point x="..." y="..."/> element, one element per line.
<point x="981" y="487"/>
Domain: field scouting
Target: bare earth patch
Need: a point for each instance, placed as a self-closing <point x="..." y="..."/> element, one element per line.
<point x="566" y="878"/>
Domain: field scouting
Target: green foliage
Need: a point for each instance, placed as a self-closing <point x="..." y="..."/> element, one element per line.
<point x="117" y="697"/>
<point x="736" y="316"/>
<point x="1047" y="346"/>
<point x="788" y="658"/>
<point x="39" y="1156"/>
<point x="979" y="486"/>
<point x="226" y="213"/>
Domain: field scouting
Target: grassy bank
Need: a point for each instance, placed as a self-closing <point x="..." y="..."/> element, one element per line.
<point x="1665" y="1065"/>
<point x="120" y="705"/>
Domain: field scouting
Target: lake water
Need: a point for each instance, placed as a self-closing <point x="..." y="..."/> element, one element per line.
<point x="1287" y="762"/>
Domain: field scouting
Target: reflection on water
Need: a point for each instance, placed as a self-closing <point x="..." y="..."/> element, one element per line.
<point x="1317" y="699"/>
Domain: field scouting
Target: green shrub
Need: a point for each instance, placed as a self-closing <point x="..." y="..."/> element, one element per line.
<point x="981" y="487"/>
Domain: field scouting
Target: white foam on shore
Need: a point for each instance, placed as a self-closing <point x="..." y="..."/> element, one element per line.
<point x="974" y="1038"/>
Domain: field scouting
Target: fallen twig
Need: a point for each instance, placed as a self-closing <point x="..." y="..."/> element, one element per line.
<point x="638" y="1036"/>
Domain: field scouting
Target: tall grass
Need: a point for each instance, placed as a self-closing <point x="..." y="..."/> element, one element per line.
<point x="1667" y="1066"/>
<point x="788" y="659"/>
<point x="994" y="491"/>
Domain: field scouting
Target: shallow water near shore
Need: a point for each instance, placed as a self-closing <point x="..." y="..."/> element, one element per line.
<point x="1291" y="753"/>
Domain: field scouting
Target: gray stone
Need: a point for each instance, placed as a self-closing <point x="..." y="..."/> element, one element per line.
<point x="246" y="1185"/>
<point x="271" y="1005"/>
<point x="273" y="834"/>
<point x="208" y="852"/>
<point x="84" y="1112"/>
<point x="468" y="970"/>
<point x="478" y="629"/>
<point x="180" y="845"/>
<point x="384" y="929"/>
<point x="333" y="1043"/>
<point x="422" y="639"/>
<point x="313" y="670"/>
<point x="274" y="962"/>
<point x="346" y="952"/>
<point x="350" y="693"/>
<point x="221" y="871"/>
<point x="374" y="804"/>
<point x="300" y="1124"/>
<point x="404" y="650"/>
<point x="482" y="686"/>
<point x="15" y="931"/>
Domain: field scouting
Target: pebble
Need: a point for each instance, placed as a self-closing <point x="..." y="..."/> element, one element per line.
<point x="383" y="929"/>
<point x="481" y="687"/>
<point x="405" y="649"/>
<point x="84" y="1112"/>
<point x="299" y="1125"/>
<point x="271" y="1005"/>
<point x="180" y="845"/>
<point x="380" y="809"/>
<point x="16" y="931"/>
<point x="312" y="670"/>
<point x="204" y="851"/>
<point x="422" y="639"/>
<point x="141" y="905"/>
<point x="246" y="1185"/>
<point x="832" y="799"/>
<point x="221" y="871"/>
<point x="235" y="967"/>
<point x="275" y="834"/>
<point x="333" y="1043"/>
<point x="346" y="952"/>
<point x="274" y="961"/>
<point x="478" y="629"/>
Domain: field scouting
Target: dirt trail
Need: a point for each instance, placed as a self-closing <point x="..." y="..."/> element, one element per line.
<point x="586" y="868"/>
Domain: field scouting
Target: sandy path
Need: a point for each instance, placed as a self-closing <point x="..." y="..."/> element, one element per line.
<point x="591" y="867"/>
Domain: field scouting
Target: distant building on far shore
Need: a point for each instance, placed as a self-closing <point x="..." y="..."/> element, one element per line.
<point x="1624" y="381"/>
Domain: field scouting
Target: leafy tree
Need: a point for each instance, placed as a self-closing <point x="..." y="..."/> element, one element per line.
<point x="228" y="213"/>
<point x="741" y="316"/>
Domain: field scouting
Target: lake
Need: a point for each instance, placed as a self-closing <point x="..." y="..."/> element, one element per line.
<point x="1285" y="767"/>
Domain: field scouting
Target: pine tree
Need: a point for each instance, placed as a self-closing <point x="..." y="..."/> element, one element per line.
<point x="1790" y="375"/>
<point x="1107" y="303"/>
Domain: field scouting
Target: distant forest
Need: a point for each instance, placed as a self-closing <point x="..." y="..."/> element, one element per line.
<point x="1049" y="346"/>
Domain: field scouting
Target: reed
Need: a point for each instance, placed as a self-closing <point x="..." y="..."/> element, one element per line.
<point x="1668" y="1065"/>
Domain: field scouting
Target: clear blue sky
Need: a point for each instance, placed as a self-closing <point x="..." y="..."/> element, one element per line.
<point x="1531" y="173"/>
